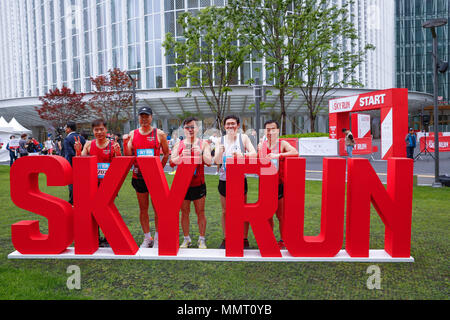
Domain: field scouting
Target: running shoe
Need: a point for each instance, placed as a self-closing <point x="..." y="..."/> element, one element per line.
<point x="281" y="245"/>
<point x="246" y="244"/>
<point x="202" y="244"/>
<point x="102" y="242"/>
<point x="222" y="245"/>
<point x="186" y="243"/>
<point x="147" y="243"/>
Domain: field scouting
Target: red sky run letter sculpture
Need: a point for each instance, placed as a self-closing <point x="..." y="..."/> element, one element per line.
<point x="167" y="202"/>
<point x="258" y="214"/>
<point x="25" y="193"/>
<point x="394" y="205"/>
<point x="94" y="206"/>
<point x="330" y="239"/>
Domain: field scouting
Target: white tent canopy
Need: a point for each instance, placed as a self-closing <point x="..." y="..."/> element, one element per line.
<point x="17" y="127"/>
<point x="4" y="126"/>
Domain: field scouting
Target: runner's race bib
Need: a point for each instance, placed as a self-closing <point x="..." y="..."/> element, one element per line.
<point x="145" y="152"/>
<point x="101" y="169"/>
<point x="274" y="162"/>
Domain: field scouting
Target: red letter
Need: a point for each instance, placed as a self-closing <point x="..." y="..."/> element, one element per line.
<point x="25" y="194"/>
<point x="330" y="239"/>
<point x="96" y="205"/>
<point x="393" y="205"/>
<point x="167" y="202"/>
<point x="258" y="214"/>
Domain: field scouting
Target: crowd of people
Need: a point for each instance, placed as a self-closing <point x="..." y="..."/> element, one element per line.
<point x="150" y="141"/>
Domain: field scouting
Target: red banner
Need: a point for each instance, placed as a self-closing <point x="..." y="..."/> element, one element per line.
<point x="362" y="146"/>
<point x="444" y="143"/>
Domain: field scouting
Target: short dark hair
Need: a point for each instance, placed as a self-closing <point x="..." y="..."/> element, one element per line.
<point x="98" y="122"/>
<point x="13" y="136"/>
<point x="71" y="125"/>
<point x="189" y="119"/>
<point x="344" y="129"/>
<point x="23" y="135"/>
<point x="231" y="116"/>
<point x="271" y="121"/>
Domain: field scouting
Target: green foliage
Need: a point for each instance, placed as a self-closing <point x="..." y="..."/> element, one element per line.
<point x="207" y="55"/>
<point x="306" y="135"/>
<point x="305" y="43"/>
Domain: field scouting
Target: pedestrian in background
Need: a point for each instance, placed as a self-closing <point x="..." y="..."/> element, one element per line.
<point x="12" y="152"/>
<point x="69" y="148"/>
<point x="410" y="139"/>
<point x="349" y="141"/>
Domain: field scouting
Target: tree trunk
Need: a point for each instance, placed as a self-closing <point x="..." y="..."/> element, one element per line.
<point x="283" y="112"/>
<point x="312" y="122"/>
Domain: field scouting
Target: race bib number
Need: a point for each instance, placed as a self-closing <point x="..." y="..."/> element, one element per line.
<point x="224" y="162"/>
<point x="145" y="152"/>
<point x="274" y="162"/>
<point x="101" y="169"/>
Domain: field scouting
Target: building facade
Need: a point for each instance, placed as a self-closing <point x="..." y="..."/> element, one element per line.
<point x="53" y="43"/>
<point x="414" y="60"/>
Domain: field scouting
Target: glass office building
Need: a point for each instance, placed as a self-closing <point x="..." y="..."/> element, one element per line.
<point x="414" y="60"/>
<point x="46" y="44"/>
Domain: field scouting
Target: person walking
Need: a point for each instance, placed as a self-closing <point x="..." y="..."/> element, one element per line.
<point x="145" y="141"/>
<point x="69" y="148"/>
<point x="12" y="151"/>
<point x="410" y="140"/>
<point x="23" y="145"/>
<point x="195" y="147"/>
<point x="349" y="142"/>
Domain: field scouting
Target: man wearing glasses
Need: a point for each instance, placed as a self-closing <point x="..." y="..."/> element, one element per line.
<point x="200" y="152"/>
<point x="233" y="144"/>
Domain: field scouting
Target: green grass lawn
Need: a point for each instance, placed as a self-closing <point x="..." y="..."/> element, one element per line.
<point x="426" y="278"/>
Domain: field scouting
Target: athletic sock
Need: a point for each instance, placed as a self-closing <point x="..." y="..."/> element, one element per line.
<point x="156" y="235"/>
<point x="148" y="235"/>
<point x="188" y="238"/>
<point x="201" y="238"/>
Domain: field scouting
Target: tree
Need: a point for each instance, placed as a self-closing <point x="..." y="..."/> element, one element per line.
<point x="112" y="98"/>
<point x="208" y="56"/>
<point x="62" y="105"/>
<point x="290" y="35"/>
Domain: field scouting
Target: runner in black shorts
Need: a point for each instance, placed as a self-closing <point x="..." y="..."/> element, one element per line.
<point x="197" y="149"/>
<point x="275" y="150"/>
<point x="233" y="144"/>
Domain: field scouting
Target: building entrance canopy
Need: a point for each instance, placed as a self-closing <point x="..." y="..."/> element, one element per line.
<point x="167" y="104"/>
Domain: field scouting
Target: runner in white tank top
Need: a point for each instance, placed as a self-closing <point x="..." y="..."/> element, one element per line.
<point x="232" y="144"/>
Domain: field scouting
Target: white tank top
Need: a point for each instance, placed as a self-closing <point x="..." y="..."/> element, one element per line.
<point x="230" y="148"/>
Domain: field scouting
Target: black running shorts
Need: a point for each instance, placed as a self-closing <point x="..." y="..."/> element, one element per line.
<point x="195" y="193"/>
<point x="139" y="185"/>
<point x="223" y="187"/>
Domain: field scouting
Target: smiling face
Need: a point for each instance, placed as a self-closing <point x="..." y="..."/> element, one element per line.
<point x="100" y="132"/>
<point x="231" y="126"/>
<point x="145" y="120"/>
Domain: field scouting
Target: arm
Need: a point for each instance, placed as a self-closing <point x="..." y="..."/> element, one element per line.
<point x="128" y="144"/>
<point x="165" y="147"/>
<point x="249" y="149"/>
<point x="86" y="149"/>
<point x="287" y="149"/>
<point x="220" y="149"/>
<point x="175" y="157"/>
<point x="207" y="154"/>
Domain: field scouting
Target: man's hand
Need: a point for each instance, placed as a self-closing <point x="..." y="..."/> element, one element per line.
<point x="77" y="146"/>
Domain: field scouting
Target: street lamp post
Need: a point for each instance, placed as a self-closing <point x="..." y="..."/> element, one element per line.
<point x="433" y="24"/>
<point x="130" y="74"/>
<point x="257" y="95"/>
